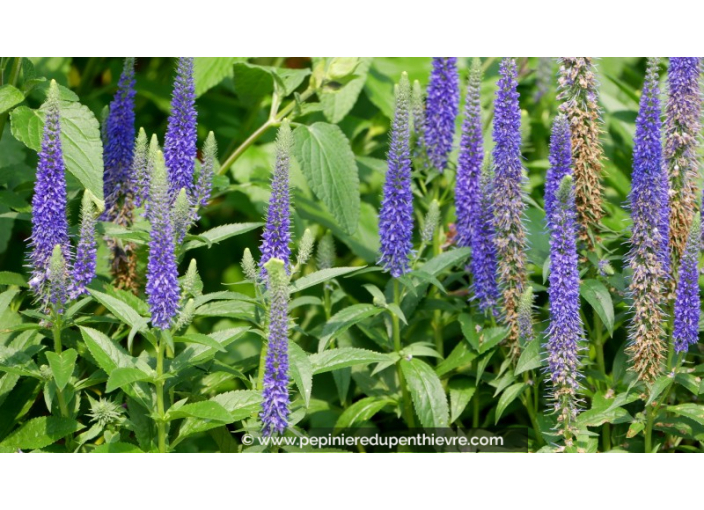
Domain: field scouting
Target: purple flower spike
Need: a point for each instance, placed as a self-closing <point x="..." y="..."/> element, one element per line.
<point x="119" y="143"/>
<point x="509" y="237"/>
<point x="647" y="346"/>
<point x="275" y="397"/>
<point x="276" y="239"/>
<point x="560" y="162"/>
<point x="483" y="264"/>
<point x="441" y="108"/>
<point x="49" y="222"/>
<point x="180" y="142"/>
<point x="85" y="261"/>
<point x="688" y="302"/>
<point x="396" y="214"/>
<point x="565" y="332"/>
<point x="162" y="272"/>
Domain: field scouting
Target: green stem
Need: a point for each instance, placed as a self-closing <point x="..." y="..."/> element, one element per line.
<point x="527" y="400"/>
<point x="396" y="328"/>
<point x="601" y="363"/>
<point x="161" y="423"/>
<point x="11" y="80"/>
<point x="649" y="418"/>
<point x="56" y="330"/>
<point x="273" y="120"/>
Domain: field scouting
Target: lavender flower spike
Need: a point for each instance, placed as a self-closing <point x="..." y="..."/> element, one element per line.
<point x="441" y="108"/>
<point x="565" y="332"/>
<point x="647" y="345"/>
<point x="84" y="264"/>
<point x="688" y="302"/>
<point x="276" y="239"/>
<point x="275" y="397"/>
<point x="509" y="237"/>
<point x="162" y="273"/>
<point x="682" y="132"/>
<point x="49" y="222"/>
<point x="180" y="141"/>
<point x="396" y="214"/>
<point x="469" y="167"/>
<point x="119" y="143"/>
<point x="483" y="264"/>
<point x="560" y="163"/>
<point x="204" y="183"/>
<point x="140" y="178"/>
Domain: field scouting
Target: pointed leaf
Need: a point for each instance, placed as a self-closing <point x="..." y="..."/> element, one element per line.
<point x="428" y="396"/>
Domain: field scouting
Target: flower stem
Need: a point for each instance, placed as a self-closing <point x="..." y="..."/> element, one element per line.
<point x="396" y="328"/>
<point x="56" y="330"/>
<point x="161" y="423"/>
<point x="649" y="418"/>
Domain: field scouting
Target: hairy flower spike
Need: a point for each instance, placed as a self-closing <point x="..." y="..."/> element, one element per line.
<point x="688" y="302"/>
<point x="564" y="333"/>
<point x="525" y="317"/>
<point x="560" y="163"/>
<point x="469" y="168"/>
<point x="162" y="272"/>
<point x="325" y="258"/>
<point x="204" y="184"/>
<point x="249" y="266"/>
<point x="510" y="237"/>
<point x="579" y="96"/>
<point x="442" y="105"/>
<point x="276" y="239"/>
<point x="180" y="141"/>
<point x="140" y="177"/>
<point x="305" y="248"/>
<point x="682" y="132"/>
<point x="418" y="115"/>
<point x="119" y="144"/>
<point x="86" y="252"/>
<point x="432" y="220"/>
<point x="647" y="345"/>
<point x="181" y="215"/>
<point x="152" y="153"/>
<point x="396" y="214"/>
<point x="49" y="222"/>
<point x="275" y="397"/>
<point x="192" y="284"/>
<point x="58" y="280"/>
<point x="483" y="264"/>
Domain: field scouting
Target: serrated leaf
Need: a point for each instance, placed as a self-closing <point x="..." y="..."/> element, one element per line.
<point x="362" y="410"/>
<point x="205" y="410"/>
<point x="120" y="309"/>
<point x="333" y="359"/>
<point x="210" y="71"/>
<point x="460" y="356"/>
<point x="597" y="295"/>
<point x="508" y="396"/>
<point x="326" y="159"/>
<point x="427" y="393"/>
<point x="240" y="404"/>
<point x="530" y="358"/>
<point x="9" y="96"/>
<point x="62" y="366"/>
<point x="198" y="338"/>
<point x="445" y="260"/>
<point x="80" y="139"/>
<point x="40" y="432"/>
<point x="107" y="354"/>
<point x="301" y="371"/>
<point x="6" y="298"/>
<point x="692" y="411"/>
<point x="345" y="319"/>
<point x="123" y="376"/>
<point x="220" y="233"/>
<point x="461" y="390"/>
<point x="321" y="276"/>
<point x="336" y="104"/>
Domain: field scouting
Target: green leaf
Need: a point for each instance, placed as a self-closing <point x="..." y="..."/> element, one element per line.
<point x="326" y="159"/>
<point x="320" y="277"/>
<point x="530" y="358"/>
<point x="198" y="338"/>
<point x="461" y="391"/>
<point x="123" y="376"/>
<point x="8" y="278"/>
<point x="6" y="298"/>
<point x="62" y="366"/>
<point x="333" y="359"/>
<point x="253" y="82"/>
<point x="461" y="356"/>
<point x="301" y="371"/>
<point x="362" y="410"/>
<point x="9" y="96"/>
<point x="210" y="71"/>
<point x="107" y="354"/>
<point x="692" y="411"/>
<point x="40" y="432"/>
<point x="605" y="410"/>
<point x="338" y="103"/>
<point x="80" y="138"/>
<point x="427" y="393"/>
<point x="469" y="330"/>
<point x="206" y="410"/>
<point x="344" y="320"/>
<point x="445" y="260"/>
<point x="117" y="448"/>
<point x="240" y="404"/>
<point x="217" y="234"/>
<point x="199" y="353"/>
<point x="597" y="295"/>
<point x="508" y="396"/>
<point x="120" y="309"/>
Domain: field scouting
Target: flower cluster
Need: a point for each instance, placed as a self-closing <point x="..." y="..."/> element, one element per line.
<point x="441" y="108"/>
<point x="688" y="302"/>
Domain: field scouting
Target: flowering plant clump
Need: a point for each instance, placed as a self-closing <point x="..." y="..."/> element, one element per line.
<point x="226" y="254"/>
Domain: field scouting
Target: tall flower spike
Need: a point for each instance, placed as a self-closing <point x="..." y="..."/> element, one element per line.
<point x="180" y="141"/>
<point x="276" y="239"/>
<point x="682" y="131"/>
<point x="396" y="214"/>
<point x="275" y="397"/>
<point x="647" y="345"/>
<point x="119" y="143"/>
<point x="418" y="114"/>
<point x="162" y="273"/>
<point x="204" y="184"/>
<point x="432" y="220"/>
<point x="58" y="280"/>
<point x="580" y="96"/>
<point x="469" y="167"/>
<point x="325" y="258"/>
<point x="84" y="264"/>
<point x="181" y="215"/>
<point x="560" y="163"/>
<point x="441" y="107"/>
<point x="49" y="222"/>
<point x="152" y="153"/>
<point x="525" y="317"/>
<point x="510" y="237"/>
<point x="483" y="264"/>
<point x="688" y="302"/>
<point x="140" y="178"/>
<point x="564" y="334"/>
